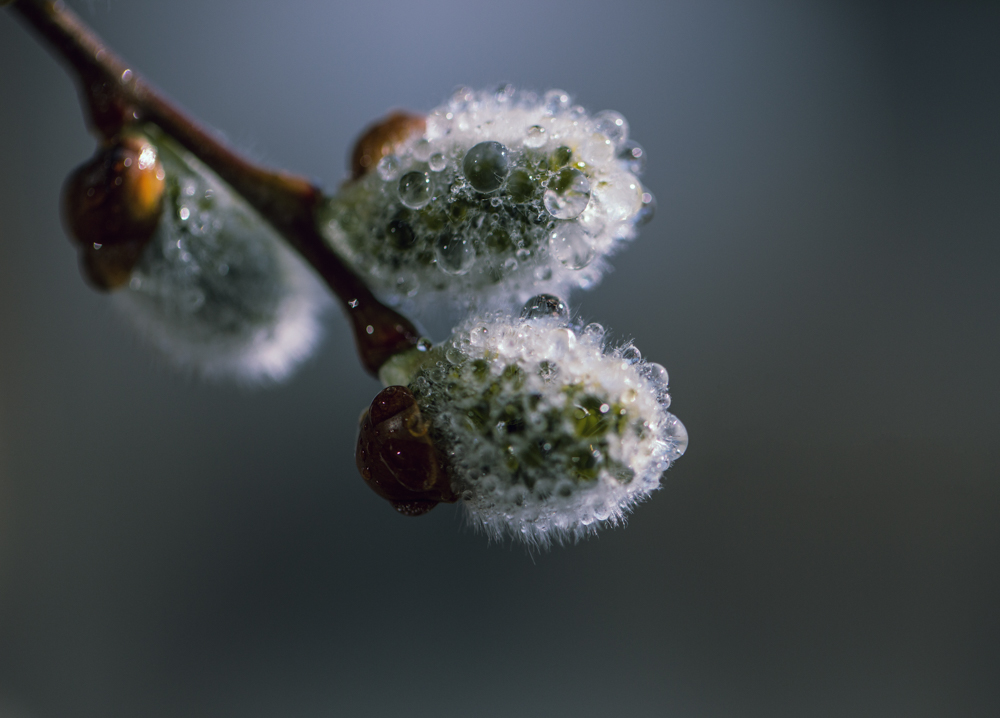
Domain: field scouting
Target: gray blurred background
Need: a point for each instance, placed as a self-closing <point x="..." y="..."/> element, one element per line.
<point x="821" y="280"/>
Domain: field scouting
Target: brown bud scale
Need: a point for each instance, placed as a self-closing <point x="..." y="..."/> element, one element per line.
<point x="397" y="457"/>
<point x="383" y="138"/>
<point x="112" y="205"/>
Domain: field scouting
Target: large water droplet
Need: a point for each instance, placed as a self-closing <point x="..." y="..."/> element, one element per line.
<point x="415" y="189"/>
<point x="535" y="137"/>
<point x="633" y="156"/>
<point x="486" y="166"/>
<point x="545" y="306"/>
<point x="568" y="194"/>
<point x="620" y="199"/>
<point x="388" y="167"/>
<point x="676" y="435"/>
<point x="597" y="149"/>
<point x="454" y="255"/>
<point x="656" y="375"/>
<point x="571" y="245"/>
<point x="612" y="125"/>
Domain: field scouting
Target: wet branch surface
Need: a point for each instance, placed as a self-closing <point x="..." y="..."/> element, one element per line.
<point x="116" y="98"/>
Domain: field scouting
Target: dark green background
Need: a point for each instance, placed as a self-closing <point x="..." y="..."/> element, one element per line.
<point x="821" y="281"/>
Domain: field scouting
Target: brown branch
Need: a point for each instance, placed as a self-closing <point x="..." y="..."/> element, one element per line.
<point x="115" y="97"/>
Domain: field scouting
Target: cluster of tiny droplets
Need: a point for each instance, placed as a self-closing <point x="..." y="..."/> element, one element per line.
<point x="505" y="195"/>
<point x="548" y="432"/>
<point x="215" y="290"/>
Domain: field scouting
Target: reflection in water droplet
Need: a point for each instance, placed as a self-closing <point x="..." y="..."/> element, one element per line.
<point x="535" y="137"/>
<point x="454" y="255"/>
<point x="415" y="189"/>
<point x="486" y="166"/>
<point x="571" y="245"/>
<point x="544" y="306"/>
<point x="568" y="194"/>
<point x="437" y="162"/>
<point x="388" y="167"/>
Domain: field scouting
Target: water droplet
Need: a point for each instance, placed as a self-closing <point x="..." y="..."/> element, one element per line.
<point x="400" y="234"/>
<point x="496" y="202"/>
<point x="437" y="162"/>
<point x="535" y="137"/>
<point x="505" y="92"/>
<point x="415" y="189"/>
<point x="612" y="125"/>
<point x="423" y="344"/>
<point x="422" y="150"/>
<point x="597" y="149"/>
<point x="521" y="186"/>
<point x="647" y="211"/>
<point x="675" y="434"/>
<point x="454" y="255"/>
<point x="545" y="306"/>
<point x="594" y="331"/>
<point x="454" y="354"/>
<point x="571" y="245"/>
<point x="486" y="166"/>
<point x="555" y="101"/>
<point x="631" y="355"/>
<point x="543" y="273"/>
<point x="633" y="156"/>
<point x="191" y="300"/>
<point x="388" y="167"/>
<point x="621" y="199"/>
<point x="522" y="254"/>
<point x="184" y="213"/>
<point x="656" y="374"/>
<point x="568" y="194"/>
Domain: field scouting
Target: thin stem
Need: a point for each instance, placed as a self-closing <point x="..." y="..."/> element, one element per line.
<point x="115" y="97"/>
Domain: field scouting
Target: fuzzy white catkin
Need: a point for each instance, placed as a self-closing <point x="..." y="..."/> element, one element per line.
<point x="216" y="291"/>
<point x="548" y="434"/>
<point x="505" y="195"/>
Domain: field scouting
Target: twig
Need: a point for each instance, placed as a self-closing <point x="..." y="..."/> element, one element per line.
<point x="115" y="97"/>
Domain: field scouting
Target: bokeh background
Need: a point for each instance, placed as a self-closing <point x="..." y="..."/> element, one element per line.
<point x="821" y="280"/>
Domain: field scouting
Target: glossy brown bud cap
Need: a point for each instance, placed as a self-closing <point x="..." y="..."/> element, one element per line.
<point x="383" y="138"/>
<point x="396" y="456"/>
<point x="112" y="206"/>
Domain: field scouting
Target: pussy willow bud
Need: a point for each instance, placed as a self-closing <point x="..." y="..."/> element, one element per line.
<point x="112" y="206"/>
<point x="501" y="195"/>
<point x="544" y="432"/>
<point x="215" y="289"/>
